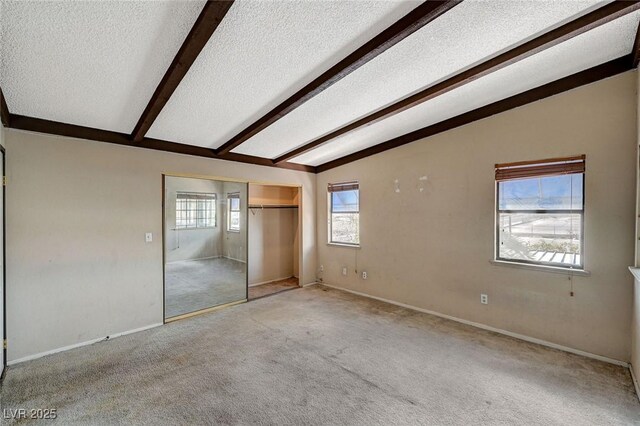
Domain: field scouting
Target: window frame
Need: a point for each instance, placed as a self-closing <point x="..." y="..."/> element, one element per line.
<point x="330" y="192"/>
<point x="190" y="195"/>
<point x="231" y="196"/>
<point x="581" y="213"/>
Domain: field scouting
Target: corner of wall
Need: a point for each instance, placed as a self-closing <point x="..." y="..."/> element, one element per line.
<point x="317" y="240"/>
<point x="634" y="366"/>
<point x="2" y="142"/>
<point x="634" y="379"/>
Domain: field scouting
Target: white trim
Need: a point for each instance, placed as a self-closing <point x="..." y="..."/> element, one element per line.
<point x="271" y="281"/>
<point x="310" y="284"/>
<point x="489" y="328"/>
<point x="541" y="268"/>
<point x="354" y="246"/>
<point x="635" y="381"/>
<point x="78" y="345"/>
<point x="233" y="258"/>
<point x="192" y="229"/>
<point x="203" y="311"/>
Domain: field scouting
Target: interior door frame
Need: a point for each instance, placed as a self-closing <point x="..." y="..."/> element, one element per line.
<point x="300" y="225"/>
<point x="4" y="262"/>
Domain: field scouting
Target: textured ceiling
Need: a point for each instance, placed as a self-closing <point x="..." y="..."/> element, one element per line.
<point x="93" y="63"/>
<point x="97" y="64"/>
<point x="597" y="46"/>
<point x="261" y="54"/>
<point x="467" y="34"/>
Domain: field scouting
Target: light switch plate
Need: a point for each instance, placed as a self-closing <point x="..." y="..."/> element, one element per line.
<point x="148" y="237"/>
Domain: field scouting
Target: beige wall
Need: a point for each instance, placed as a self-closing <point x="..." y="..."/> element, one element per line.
<point x="195" y="243"/>
<point x="431" y="249"/>
<point x="78" y="267"/>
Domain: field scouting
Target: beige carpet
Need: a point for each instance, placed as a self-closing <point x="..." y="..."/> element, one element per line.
<point x="191" y="285"/>
<point x="320" y="356"/>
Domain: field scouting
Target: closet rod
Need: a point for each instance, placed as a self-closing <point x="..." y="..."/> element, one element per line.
<point x="261" y="206"/>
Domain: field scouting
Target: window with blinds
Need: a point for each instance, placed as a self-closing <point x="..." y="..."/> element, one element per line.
<point x="540" y="212"/>
<point x="233" y="212"/>
<point x="344" y="213"/>
<point x="195" y="210"/>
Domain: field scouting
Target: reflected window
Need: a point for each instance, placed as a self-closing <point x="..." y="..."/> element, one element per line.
<point x="540" y="212"/>
<point x="195" y="210"/>
<point x="344" y="213"/>
<point x="233" y="210"/>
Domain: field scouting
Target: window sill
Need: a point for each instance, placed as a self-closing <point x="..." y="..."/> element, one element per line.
<point x="355" y="246"/>
<point x="233" y="231"/>
<point x="194" y="229"/>
<point x="541" y="268"/>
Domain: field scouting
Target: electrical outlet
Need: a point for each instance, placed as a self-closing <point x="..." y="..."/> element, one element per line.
<point x="484" y="299"/>
<point x="344" y="270"/>
<point x="364" y="275"/>
<point x="321" y="268"/>
<point x="148" y="237"/>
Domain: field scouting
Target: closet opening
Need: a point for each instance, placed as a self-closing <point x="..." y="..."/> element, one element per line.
<point x="274" y="239"/>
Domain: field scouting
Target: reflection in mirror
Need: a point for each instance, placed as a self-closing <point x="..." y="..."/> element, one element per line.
<point x="205" y="244"/>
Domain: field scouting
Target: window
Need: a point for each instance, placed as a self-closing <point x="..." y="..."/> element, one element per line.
<point x="195" y="210"/>
<point x="233" y="210"/>
<point x="540" y="212"/>
<point x="344" y="213"/>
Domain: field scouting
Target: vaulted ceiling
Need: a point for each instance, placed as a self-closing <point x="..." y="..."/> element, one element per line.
<point x="299" y="84"/>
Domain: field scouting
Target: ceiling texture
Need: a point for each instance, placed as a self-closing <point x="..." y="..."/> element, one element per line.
<point x="301" y="84"/>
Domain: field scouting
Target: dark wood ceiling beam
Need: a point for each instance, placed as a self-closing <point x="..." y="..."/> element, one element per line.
<point x="551" y="38"/>
<point x="591" y="75"/>
<point x="588" y="76"/>
<point x="204" y="27"/>
<point x="410" y="23"/>
<point x="70" y="130"/>
<point x="4" y="111"/>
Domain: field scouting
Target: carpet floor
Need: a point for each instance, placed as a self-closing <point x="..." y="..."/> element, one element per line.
<point x="316" y="356"/>
<point x="192" y="285"/>
<point x="274" y="287"/>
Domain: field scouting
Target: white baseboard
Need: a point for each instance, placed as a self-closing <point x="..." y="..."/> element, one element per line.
<point x="635" y="381"/>
<point x="78" y="345"/>
<point x="233" y="258"/>
<point x="489" y="328"/>
<point x="270" y="281"/>
<point x="313" y="283"/>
